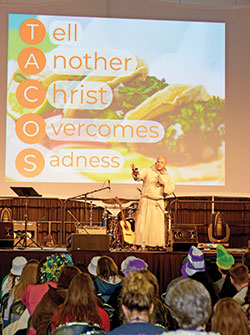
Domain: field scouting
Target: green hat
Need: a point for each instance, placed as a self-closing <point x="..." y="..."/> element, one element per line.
<point x="224" y="259"/>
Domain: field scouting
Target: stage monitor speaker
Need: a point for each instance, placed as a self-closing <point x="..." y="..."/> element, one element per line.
<point x="87" y="242"/>
<point x="183" y="237"/>
<point x="6" y="234"/>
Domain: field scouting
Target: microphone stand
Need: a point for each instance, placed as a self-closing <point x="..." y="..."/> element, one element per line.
<point x="78" y="197"/>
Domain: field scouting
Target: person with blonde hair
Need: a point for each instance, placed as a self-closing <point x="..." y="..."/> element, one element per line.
<point x="28" y="277"/>
<point x="81" y="304"/>
<point x="137" y="301"/>
<point x="229" y="319"/>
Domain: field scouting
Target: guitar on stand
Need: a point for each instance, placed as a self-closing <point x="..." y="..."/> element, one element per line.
<point x="127" y="233"/>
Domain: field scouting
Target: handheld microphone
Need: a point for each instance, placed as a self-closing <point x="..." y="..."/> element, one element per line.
<point x="138" y="189"/>
<point x="109" y="186"/>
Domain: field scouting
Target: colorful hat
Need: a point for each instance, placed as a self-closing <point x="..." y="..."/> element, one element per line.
<point x="195" y="262"/>
<point x="18" y="264"/>
<point x="224" y="259"/>
<point x="53" y="265"/>
<point x="93" y="265"/>
<point x="131" y="263"/>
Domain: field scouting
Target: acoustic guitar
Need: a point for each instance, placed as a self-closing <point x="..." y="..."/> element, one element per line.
<point x="128" y="234"/>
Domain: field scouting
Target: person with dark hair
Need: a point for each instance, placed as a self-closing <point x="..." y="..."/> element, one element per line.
<point x="46" y="308"/>
<point x="81" y="305"/>
<point x="239" y="278"/>
<point x="190" y="304"/>
<point x="229" y="319"/>
<point x="246" y="260"/>
<point x="205" y="279"/>
<point x="137" y="301"/>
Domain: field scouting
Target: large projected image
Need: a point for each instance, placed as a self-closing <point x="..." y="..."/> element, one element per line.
<point x="87" y="97"/>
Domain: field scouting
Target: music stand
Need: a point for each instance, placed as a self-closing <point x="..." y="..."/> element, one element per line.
<point x="25" y="192"/>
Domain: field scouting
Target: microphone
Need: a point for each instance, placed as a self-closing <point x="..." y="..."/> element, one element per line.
<point x="138" y="189"/>
<point x="109" y="186"/>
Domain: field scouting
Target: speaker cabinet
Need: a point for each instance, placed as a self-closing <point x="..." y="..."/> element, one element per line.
<point x="6" y="234"/>
<point x="183" y="237"/>
<point x="87" y="242"/>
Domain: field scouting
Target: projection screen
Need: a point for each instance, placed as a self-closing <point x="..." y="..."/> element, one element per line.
<point x="87" y="97"/>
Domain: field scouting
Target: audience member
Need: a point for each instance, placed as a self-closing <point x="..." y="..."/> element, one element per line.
<point x="137" y="301"/>
<point x="132" y="263"/>
<point x="224" y="261"/>
<point x="239" y="278"/>
<point x="46" y="308"/>
<point x="11" y="279"/>
<point x="81" y="304"/>
<point x="28" y="277"/>
<point x="48" y="273"/>
<point x="246" y="260"/>
<point x="108" y="282"/>
<point x="190" y="304"/>
<point x="229" y="319"/>
<point x="161" y="314"/>
<point x="204" y="278"/>
<point x="92" y="266"/>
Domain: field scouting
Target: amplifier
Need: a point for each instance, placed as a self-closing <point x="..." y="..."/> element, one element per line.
<point x="183" y="237"/>
<point x="87" y="242"/>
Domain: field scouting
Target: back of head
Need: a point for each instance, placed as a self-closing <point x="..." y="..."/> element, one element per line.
<point x="81" y="290"/>
<point x="151" y="278"/>
<point x="106" y="267"/>
<point x="80" y="303"/>
<point x="228" y="318"/>
<point x="28" y="277"/>
<point x="68" y="272"/>
<point x="239" y="273"/>
<point x="246" y="259"/>
<point x="137" y="292"/>
<point x="190" y="303"/>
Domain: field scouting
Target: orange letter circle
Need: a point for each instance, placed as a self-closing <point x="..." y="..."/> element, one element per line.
<point x="30" y="162"/>
<point x="31" y="93"/>
<point x="31" y="128"/>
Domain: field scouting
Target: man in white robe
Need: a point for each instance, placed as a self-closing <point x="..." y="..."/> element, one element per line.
<point x="150" y="223"/>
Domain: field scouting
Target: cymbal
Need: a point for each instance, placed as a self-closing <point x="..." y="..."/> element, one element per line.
<point x="113" y="201"/>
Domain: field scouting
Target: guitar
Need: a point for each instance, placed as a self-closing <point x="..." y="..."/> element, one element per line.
<point x="128" y="234"/>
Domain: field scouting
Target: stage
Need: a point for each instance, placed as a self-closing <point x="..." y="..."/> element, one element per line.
<point x="164" y="264"/>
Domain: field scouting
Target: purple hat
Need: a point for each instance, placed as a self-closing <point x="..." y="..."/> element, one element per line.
<point x="132" y="263"/>
<point x="195" y="262"/>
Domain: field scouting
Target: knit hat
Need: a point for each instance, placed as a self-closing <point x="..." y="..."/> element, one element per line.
<point x="132" y="263"/>
<point x="93" y="265"/>
<point x="224" y="259"/>
<point x="18" y="264"/>
<point x="195" y="262"/>
<point x="53" y="265"/>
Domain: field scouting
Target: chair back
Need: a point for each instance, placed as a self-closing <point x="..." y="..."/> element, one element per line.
<point x="16" y="310"/>
<point x="79" y="328"/>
